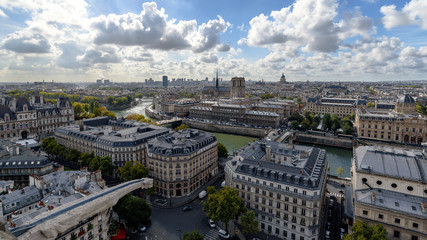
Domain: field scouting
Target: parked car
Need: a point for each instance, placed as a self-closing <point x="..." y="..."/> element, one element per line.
<point x="223" y="234"/>
<point x="202" y="194"/>
<point x="187" y="208"/>
<point x="142" y="229"/>
<point x="211" y="223"/>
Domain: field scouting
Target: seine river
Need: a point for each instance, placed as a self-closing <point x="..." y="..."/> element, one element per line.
<point x="139" y="108"/>
<point x="337" y="156"/>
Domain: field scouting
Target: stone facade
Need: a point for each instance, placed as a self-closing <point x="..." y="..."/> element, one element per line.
<point x="235" y="113"/>
<point x="402" y="124"/>
<point x="389" y="187"/>
<point x="180" y="163"/>
<point x="284" y="185"/>
<point x="237" y="87"/>
<point x="126" y="143"/>
<point x="339" y="106"/>
<point x="23" y="118"/>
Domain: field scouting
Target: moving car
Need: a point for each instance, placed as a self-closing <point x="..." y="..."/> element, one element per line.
<point x="187" y="208"/>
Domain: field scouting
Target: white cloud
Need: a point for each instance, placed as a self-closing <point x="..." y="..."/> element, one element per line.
<point x="414" y="12"/>
<point x="152" y="30"/>
<point x="2" y="14"/>
<point x="308" y="24"/>
<point x="21" y="42"/>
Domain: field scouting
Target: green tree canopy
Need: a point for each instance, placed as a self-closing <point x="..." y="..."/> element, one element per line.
<point x="181" y="127"/>
<point x="363" y="231"/>
<point x="194" y="235"/>
<point x="249" y="223"/>
<point x="340" y="171"/>
<point x="222" y="151"/>
<point x="267" y="96"/>
<point x="134" y="210"/>
<point x="132" y="170"/>
<point x="224" y="205"/>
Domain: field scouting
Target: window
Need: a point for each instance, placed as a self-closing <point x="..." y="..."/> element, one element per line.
<point x="415" y="225"/>
<point x="380" y="216"/>
<point x="379" y="182"/>
<point x="396" y="234"/>
<point x="364" y="180"/>
<point x="365" y="212"/>
<point x="410" y="188"/>
<point x="414" y="238"/>
<point x="394" y="185"/>
<point x="397" y="220"/>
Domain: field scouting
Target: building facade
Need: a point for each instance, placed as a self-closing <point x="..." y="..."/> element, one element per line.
<point x="18" y="163"/>
<point x="402" y="124"/>
<point x="181" y="162"/>
<point x="30" y="118"/>
<point x="126" y="143"/>
<point x="284" y="185"/>
<point x="235" y="113"/>
<point x="339" y="106"/>
<point x="237" y="87"/>
<point x="390" y="188"/>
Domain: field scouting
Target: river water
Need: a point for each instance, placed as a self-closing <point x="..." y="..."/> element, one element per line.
<point x="337" y="156"/>
<point x="139" y="108"/>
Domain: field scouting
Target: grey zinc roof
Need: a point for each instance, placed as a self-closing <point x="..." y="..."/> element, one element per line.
<point x="20" y="198"/>
<point x="393" y="162"/>
<point x="183" y="142"/>
<point x="307" y="172"/>
<point x="272" y="114"/>
<point x="394" y="201"/>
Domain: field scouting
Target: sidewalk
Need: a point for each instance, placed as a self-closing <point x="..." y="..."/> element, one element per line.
<point x="162" y="202"/>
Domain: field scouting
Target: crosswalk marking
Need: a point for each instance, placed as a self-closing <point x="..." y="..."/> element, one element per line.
<point x="337" y="194"/>
<point x="212" y="235"/>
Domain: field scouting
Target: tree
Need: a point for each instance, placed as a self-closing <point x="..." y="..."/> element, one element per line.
<point x="224" y="205"/>
<point x="362" y="230"/>
<point x="132" y="170"/>
<point x="222" y="151"/>
<point x="110" y="100"/>
<point x="327" y="122"/>
<point x="194" y="235"/>
<point x="249" y="223"/>
<point x="296" y="117"/>
<point x="78" y="109"/>
<point x="347" y="129"/>
<point x="295" y="124"/>
<point x="134" y="210"/>
<point x="181" y="127"/>
<point x="266" y="96"/>
<point x="340" y="171"/>
<point x="371" y="104"/>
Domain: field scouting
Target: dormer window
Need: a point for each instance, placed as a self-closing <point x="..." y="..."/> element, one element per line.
<point x="6" y="117"/>
<point x="25" y="107"/>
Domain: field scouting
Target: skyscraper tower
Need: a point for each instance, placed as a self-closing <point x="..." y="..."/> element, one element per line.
<point x="165" y="81"/>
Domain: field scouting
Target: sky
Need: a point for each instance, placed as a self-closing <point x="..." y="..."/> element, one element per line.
<point x="132" y="40"/>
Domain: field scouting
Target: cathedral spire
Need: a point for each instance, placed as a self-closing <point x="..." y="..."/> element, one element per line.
<point x="216" y="79"/>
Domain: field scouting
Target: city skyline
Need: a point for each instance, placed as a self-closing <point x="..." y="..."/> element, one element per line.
<point x="123" y="41"/>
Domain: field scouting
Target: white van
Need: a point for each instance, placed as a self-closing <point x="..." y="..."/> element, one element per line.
<point x="202" y="194"/>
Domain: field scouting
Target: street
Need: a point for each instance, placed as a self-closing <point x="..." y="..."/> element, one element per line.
<point x="172" y="223"/>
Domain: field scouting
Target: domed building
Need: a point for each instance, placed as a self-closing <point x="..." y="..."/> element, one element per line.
<point x="405" y="104"/>
<point x="403" y="124"/>
<point x="283" y="78"/>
